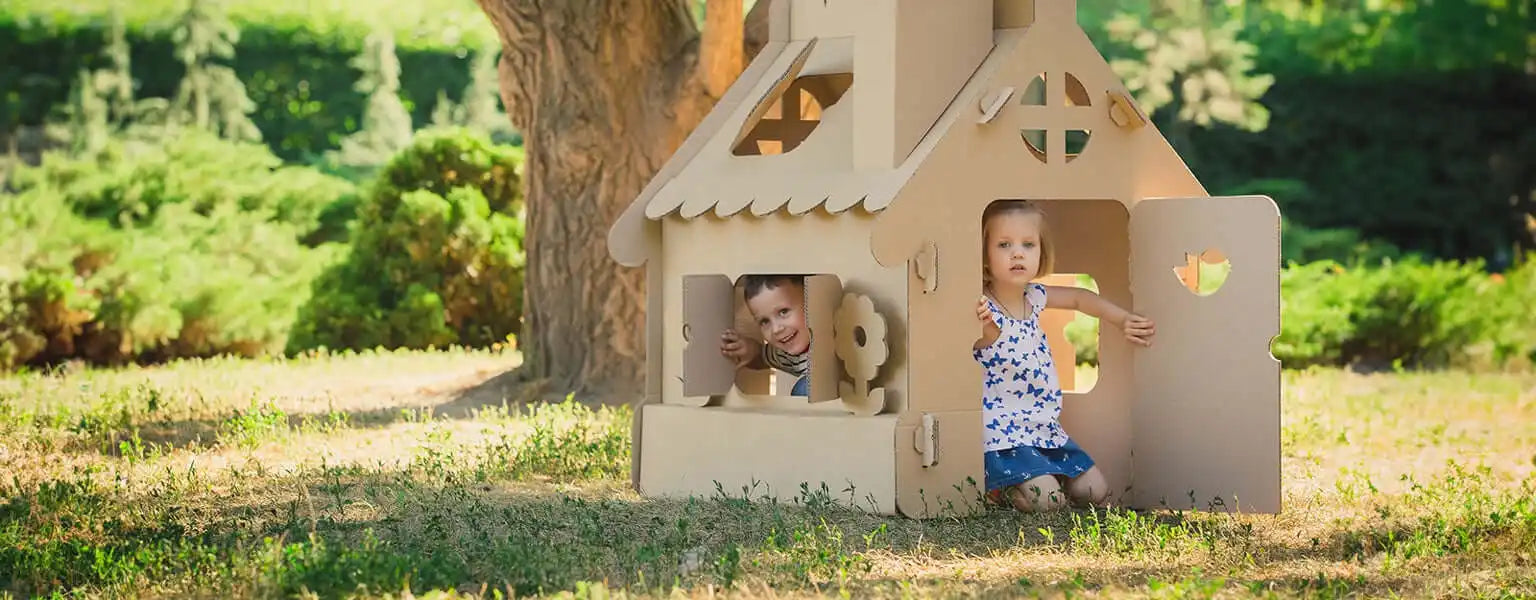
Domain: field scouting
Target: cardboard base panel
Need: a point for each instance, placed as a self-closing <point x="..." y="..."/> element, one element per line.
<point x="685" y="450"/>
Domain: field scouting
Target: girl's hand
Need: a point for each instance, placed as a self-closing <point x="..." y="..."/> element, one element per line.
<point x="734" y="348"/>
<point x="989" y="330"/>
<point x="1138" y="329"/>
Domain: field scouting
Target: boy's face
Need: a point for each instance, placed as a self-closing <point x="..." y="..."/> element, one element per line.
<point x="1013" y="248"/>
<point x="780" y="315"/>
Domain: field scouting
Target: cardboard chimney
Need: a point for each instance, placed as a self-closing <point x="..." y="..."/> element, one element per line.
<point x="859" y="149"/>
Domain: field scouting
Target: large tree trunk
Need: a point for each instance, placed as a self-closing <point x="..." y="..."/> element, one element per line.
<point x="604" y="91"/>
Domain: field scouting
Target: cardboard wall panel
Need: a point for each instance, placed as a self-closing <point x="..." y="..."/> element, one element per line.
<point x="688" y="450"/>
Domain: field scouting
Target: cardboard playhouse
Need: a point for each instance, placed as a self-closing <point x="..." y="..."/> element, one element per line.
<point x="859" y="149"/>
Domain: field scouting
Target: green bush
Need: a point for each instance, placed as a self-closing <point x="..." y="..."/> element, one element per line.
<point x="295" y="65"/>
<point x="143" y="253"/>
<point x="129" y="184"/>
<point x="1317" y="301"/>
<point x="1410" y="313"/>
<point x="1403" y="313"/>
<point x="436" y="257"/>
<point x="417" y="23"/>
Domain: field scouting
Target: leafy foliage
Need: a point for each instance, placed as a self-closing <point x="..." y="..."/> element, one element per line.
<point x="386" y="124"/>
<point x="435" y="24"/>
<point x="436" y="257"/>
<point x="293" y="57"/>
<point x="211" y="95"/>
<point x="1385" y="164"/>
<point x="140" y="252"/>
<point x="1188" y="55"/>
<point x="481" y="108"/>
<point x="1409" y="313"/>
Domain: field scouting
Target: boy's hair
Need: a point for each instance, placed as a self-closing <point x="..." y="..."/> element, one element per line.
<point x="755" y="284"/>
<point x="1003" y="207"/>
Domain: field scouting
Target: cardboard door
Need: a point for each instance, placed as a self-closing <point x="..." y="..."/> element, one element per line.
<point x="1206" y="405"/>
<point x="822" y="295"/>
<point x="706" y="315"/>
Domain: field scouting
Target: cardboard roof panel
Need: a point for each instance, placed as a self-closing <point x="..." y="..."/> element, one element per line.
<point x="904" y="93"/>
<point x="818" y="171"/>
<point x="631" y="238"/>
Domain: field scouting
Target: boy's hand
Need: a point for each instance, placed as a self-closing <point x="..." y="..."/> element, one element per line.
<point x="739" y="351"/>
<point x="1138" y="329"/>
<point x="989" y="330"/>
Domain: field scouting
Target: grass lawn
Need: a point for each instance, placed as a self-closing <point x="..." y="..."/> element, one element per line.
<point x="397" y="474"/>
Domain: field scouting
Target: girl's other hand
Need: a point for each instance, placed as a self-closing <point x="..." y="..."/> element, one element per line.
<point x="1138" y="330"/>
<point x="989" y="329"/>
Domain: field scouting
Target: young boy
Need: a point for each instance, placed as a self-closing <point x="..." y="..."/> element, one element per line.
<point x="777" y="302"/>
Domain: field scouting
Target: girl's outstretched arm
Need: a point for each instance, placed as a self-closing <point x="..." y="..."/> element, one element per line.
<point x="1137" y="329"/>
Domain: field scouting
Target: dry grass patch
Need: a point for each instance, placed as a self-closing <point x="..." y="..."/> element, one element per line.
<point x="395" y="474"/>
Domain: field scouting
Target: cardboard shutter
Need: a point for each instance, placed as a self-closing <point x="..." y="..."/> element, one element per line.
<point x="706" y="315"/>
<point x="822" y="295"/>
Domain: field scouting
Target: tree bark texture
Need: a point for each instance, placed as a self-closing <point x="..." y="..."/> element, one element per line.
<point x="723" y="43"/>
<point x="604" y="91"/>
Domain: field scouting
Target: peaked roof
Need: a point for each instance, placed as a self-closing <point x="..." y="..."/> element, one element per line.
<point x="703" y="176"/>
<point x="817" y="173"/>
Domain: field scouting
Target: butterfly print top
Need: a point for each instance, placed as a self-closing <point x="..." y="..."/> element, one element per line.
<point x="1021" y="401"/>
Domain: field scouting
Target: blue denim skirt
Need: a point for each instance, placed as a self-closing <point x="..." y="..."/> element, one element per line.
<point x="1014" y="466"/>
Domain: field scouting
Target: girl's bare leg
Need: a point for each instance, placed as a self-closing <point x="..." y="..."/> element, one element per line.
<point x="1089" y="488"/>
<point x="1040" y="494"/>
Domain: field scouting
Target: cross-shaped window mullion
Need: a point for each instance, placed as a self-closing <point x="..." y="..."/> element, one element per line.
<point x="1055" y="118"/>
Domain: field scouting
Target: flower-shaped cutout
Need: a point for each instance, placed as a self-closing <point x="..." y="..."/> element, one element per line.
<point x="860" y="332"/>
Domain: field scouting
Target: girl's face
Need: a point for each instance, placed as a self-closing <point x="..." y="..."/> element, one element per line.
<point x="1013" y="248"/>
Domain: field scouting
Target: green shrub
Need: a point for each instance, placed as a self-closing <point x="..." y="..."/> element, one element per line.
<point x="1317" y="301"/>
<point x="293" y="59"/>
<point x="143" y="253"/>
<point x="437" y="253"/>
<point x="1410" y="313"/>
<point x="1514" y="315"/>
<point x="130" y="183"/>
<point x="1422" y="313"/>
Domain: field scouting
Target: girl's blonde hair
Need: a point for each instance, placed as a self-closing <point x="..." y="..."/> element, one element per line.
<point x="1003" y="207"/>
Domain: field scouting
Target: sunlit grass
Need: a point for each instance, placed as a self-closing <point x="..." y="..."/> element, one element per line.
<point x="372" y="474"/>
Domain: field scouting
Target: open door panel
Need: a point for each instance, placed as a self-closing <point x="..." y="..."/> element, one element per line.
<point x="822" y="295"/>
<point x="707" y="313"/>
<point x="1206" y="412"/>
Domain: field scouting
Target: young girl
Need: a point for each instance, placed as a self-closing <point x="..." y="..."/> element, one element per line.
<point x="1026" y="448"/>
